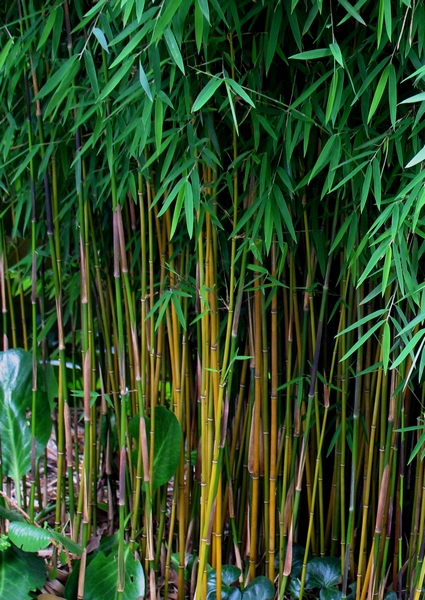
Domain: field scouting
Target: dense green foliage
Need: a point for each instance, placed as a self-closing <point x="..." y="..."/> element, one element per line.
<point x="212" y="227"/>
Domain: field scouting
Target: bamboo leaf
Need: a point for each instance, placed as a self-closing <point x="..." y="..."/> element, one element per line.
<point x="208" y="91"/>
<point x="203" y="5"/>
<point x="386" y="347"/>
<point x="5" y="51"/>
<point x="144" y="82"/>
<point x="188" y="207"/>
<point x="380" y="88"/>
<point x="53" y="82"/>
<point x="280" y="201"/>
<point x="132" y="44"/>
<point x="174" y="49"/>
<point x="408" y="349"/>
<point x="416" y="98"/>
<point x="392" y="94"/>
<point x="386" y="270"/>
<point x="117" y="78"/>
<point x="165" y="19"/>
<point x="351" y="11"/>
<point x="419" y="157"/>
<point x="313" y="54"/>
<point x="159" y="122"/>
<point x="239" y="90"/>
<point x="91" y="72"/>
<point x="47" y="29"/>
<point x="362" y="321"/>
<point x="272" y="38"/>
<point x="362" y="340"/>
<point x="324" y="157"/>
<point x="101" y="38"/>
<point x="337" y="54"/>
<point x="377" y="185"/>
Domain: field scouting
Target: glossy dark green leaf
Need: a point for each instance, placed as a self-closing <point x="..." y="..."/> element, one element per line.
<point x="101" y="580"/>
<point x="323" y="572"/>
<point x="260" y="588"/>
<point x="15" y="401"/>
<point x="167" y="440"/>
<point x="20" y="573"/>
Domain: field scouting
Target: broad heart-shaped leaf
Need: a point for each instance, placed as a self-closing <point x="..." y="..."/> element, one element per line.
<point x="168" y="435"/>
<point x="229" y="575"/>
<point x="294" y="587"/>
<point x="260" y="588"/>
<point x="102" y="578"/>
<point x="297" y="560"/>
<point x="20" y="573"/>
<point x="331" y="593"/>
<point x="32" y="539"/>
<point x="323" y="572"/>
<point x="15" y="399"/>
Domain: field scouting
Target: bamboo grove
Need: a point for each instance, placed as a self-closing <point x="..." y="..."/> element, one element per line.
<point x="216" y="208"/>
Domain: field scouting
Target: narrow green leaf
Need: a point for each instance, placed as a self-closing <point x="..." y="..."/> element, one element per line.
<point x="91" y="72"/>
<point x="165" y="19"/>
<point x="308" y="93"/>
<point x="144" y="82"/>
<point x="373" y="261"/>
<point x="101" y="38"/>
<point x="350" y="175"/>
<point x="408" y="349"/>
<point x="280" y="201"/>
<point x="117" y="78"/>
<point x="188" y="207"/>
<point x="337" y="54"/>
<point x="412" y="324"/>
<point x="388" y="18"/>
<point x="324" y="157"/>
<point x="386" y="346"/>
<point x="331" y="96"/>
<point x="232" y="107"/>
<point x="363" y="320"/>
<point x="416" y="98"/>
<point x="351" y="11"/>
<point x="203" y="5"/>
<point x="313" y="54"/>
<point x="362" y="340"/>
<point x="47" y="28"/>
<point x="386" y="270"/>
<point x="55" y="79"/>
<point x="380" y="88"/>
<point x="174" y="49"/>
<point x="91" y="13"/>
<point x="377" y="185"/>
<point x="199" y="26"/>
<point x="159" y="122"/>
<point x="176" y="190"/>
<point x="272" y="38"/>
<point x="419" y="157"/>
<point x="208" y="91"/>
<point x="345" y="225"/>
<point x="5" y="51"/>
<point x="392" y="94"/>
<point x="240" y="91"/>
<point x="132" y="44"/>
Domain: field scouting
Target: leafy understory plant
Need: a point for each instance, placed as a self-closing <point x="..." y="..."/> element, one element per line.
<point x="22" y="570"/>
<point x="260" y="588"/>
